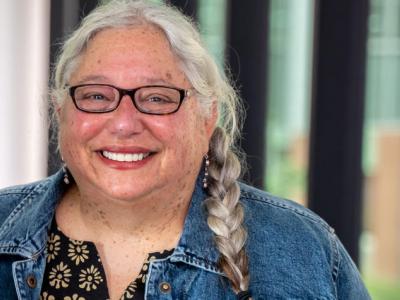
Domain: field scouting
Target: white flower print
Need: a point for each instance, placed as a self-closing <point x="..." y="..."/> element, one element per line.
<point x="46" y="296"/>
<point x="59" y="276"/>
<point x="130" y="291"/>
<point x="77" y="252"/>
<point x="53" y="246"/>
<point x="74" y="297"/>
<point x="90" y="278"/>
<point x="145" y="267"/>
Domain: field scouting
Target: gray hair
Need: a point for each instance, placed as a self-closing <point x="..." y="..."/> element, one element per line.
<point x="225" y="213"/>
<point x="196" y="62"/>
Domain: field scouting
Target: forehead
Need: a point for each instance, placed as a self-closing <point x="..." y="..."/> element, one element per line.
<point x="141" y="52"/>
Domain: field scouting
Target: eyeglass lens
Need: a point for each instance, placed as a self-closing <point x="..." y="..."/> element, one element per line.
<point x="102" y="98"/>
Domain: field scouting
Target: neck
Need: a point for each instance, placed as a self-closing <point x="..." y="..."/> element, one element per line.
<point x="156" y="221"/>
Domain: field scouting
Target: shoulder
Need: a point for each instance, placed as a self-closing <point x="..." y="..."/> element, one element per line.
<point x="263" y="206"/>
<point x="289" y="245"/>
<point x="289" y="241"/>
<point x="275" y="223"/>
<point x="13" y="198"/>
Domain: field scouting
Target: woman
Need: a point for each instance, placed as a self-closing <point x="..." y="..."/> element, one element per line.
<point x="147" y="126"/>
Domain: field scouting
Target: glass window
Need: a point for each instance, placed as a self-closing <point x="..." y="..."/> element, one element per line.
<point x="212" y="22"/>
<point x="290" y="58"/>
<point x="380" y="241"/>
<point x="289" y="94"/>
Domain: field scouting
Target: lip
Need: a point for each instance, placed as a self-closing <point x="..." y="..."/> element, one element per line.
<point x="125" y="165"/>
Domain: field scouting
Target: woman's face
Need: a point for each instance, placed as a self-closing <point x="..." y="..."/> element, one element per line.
<point x="172" y="145"/>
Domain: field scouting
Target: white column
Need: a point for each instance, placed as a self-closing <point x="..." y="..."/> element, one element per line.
<point x="24" y="64"/>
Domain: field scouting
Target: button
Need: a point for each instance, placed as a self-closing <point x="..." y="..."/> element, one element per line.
<point x="165" y="287"/>
<point x="31" y="281"/>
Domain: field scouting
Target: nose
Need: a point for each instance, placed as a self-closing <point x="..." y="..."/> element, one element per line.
<point x="126" y="120"/>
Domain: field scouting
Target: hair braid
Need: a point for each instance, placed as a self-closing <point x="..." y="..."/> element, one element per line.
<point x="225" y="213"/>
<point x="212" y="87"/>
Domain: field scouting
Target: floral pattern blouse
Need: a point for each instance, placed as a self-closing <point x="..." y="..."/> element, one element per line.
<point x="74" y="271"/>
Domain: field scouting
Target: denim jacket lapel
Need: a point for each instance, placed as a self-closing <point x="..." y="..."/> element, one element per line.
<point x="24" y="232"/>
<point x="196" y="246"/>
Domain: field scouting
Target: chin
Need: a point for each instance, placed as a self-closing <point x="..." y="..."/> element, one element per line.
<point x="127" y="192"/>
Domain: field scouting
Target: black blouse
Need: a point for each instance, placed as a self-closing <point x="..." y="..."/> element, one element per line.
<point x="74" y="271"/>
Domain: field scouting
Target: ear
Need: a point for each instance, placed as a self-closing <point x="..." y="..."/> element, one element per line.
<point x="56" y="106"/>
<point x="212" y="119"/>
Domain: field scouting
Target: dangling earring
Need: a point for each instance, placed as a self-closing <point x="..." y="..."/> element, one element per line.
<point x="206" y="164"/>
<point x="65" y="171"/>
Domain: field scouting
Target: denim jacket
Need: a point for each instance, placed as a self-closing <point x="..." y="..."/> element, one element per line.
<point x="293" y="254"/>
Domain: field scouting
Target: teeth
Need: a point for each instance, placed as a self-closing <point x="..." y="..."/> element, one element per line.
<point x="128" y="157"/>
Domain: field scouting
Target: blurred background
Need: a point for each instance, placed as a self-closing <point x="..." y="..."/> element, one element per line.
<point x="321" y="83"/>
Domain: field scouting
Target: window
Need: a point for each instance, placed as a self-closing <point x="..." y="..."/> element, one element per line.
<point x="381" y="158"/>
<point x="289" y="96"/>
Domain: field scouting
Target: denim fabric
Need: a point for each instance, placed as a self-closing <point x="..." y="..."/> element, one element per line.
<point x="293" y="254"/>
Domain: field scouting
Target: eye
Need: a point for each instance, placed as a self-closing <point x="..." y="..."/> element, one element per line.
<point x="97" y="97"/>
<point x="94" y="95"/>
<point x="158" y="99"/>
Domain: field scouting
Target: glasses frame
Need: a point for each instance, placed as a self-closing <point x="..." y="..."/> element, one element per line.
<point x="183" y="93"/>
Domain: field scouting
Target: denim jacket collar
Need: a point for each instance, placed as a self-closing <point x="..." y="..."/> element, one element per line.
<point x="196" y="246"/>
<point x="24" y="233"/>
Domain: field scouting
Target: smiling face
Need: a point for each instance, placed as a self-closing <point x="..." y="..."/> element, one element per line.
<point x="126" y="154"/>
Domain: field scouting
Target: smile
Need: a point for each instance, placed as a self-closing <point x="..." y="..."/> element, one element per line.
<point x="125" y="157"/>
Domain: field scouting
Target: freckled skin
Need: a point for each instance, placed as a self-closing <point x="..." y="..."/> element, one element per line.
<point x="129" y="213"/>
<point x="129" y="64"/>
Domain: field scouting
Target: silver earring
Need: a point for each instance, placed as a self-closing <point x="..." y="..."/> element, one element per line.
<point x="66" y="177"/>
<point x="206" y="164"/>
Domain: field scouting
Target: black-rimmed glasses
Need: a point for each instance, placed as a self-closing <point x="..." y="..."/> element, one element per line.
<point x="150" y="99"/>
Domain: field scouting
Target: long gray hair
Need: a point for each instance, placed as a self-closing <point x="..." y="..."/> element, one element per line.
<point x="225" y="213"/>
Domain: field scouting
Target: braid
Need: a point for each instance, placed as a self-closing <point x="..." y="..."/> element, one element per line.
<point x="225" y="213"/>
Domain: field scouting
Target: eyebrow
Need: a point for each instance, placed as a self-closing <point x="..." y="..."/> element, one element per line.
<point x="102" y="79"/>
<point x="91" y="78"/>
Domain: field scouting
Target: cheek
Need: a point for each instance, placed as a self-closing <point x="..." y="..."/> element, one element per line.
<point x="182" y="136"/>
<point x="80" y="124"/>
<point x="76" y="129"/>
<point x="191" y="141"/>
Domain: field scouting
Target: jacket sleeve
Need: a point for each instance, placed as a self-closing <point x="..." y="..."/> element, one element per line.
<point x="348" y="280"/>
